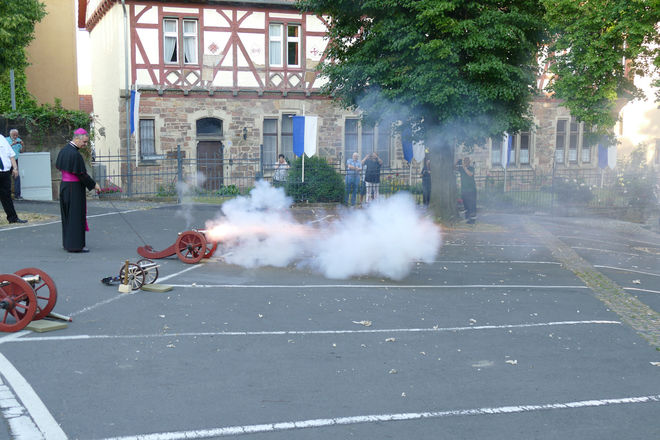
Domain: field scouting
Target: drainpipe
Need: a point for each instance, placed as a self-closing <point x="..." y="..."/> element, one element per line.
<point x="128" y="102"/>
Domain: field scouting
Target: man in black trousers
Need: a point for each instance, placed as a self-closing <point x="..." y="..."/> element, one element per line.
<point x="8" y="168"/>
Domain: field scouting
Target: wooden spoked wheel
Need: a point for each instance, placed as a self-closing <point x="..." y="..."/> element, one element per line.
<point x="44" y="290"/>
<point x="150" y="273"/>
<point x="210" y="249"/>
<point x="191" y="247"/>
<point x="18" y="303"/>
<point x="135" y="276"/>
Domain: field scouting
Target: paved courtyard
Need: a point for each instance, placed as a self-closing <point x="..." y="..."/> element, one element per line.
<point x="522" y="327"/>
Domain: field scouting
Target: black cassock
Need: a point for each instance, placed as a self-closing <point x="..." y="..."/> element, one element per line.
<point x="73" y="198"/>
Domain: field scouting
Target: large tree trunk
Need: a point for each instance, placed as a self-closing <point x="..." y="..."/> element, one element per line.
<point x="444" y="193"/>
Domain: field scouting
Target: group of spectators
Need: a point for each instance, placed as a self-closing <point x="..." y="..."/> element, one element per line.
<point x="363" y="178"/>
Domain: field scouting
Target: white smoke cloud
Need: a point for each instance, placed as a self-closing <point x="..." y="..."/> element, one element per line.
<point x="186" y="192"/>
<point x="384" y="239"/>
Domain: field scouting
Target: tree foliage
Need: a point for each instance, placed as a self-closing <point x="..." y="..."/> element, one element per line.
<point x="456" y="71"/>
<point x="596" y="48"/>
<point x="17" y="20"/>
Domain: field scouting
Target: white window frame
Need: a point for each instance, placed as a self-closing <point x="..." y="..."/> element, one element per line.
<point x="170" y="34"/>
<point x="189" y="36"/>
<point x="573" y="128"/>
<point x="278" y="40"/>
<point x="144" y="136"/>
<point x="282" y="41"/>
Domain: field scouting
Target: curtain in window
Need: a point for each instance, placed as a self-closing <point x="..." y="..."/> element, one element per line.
<point x="275" y="45"/>
<point x="350" y="138"/>
<point x="524" y="148"/>
<point x="169" y="42"/>
<point x="190" y="42"/>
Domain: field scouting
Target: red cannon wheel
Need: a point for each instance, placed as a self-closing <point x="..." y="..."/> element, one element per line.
<point x="135" y="276"/>
<point x="191" y="247"/>
<point x="18" y="303"/>
<point x="150" y="273"/>
<point x="210" y="250"/>
<point x="44" y="290"/>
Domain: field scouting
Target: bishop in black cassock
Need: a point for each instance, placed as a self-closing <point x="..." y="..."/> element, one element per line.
<point x="73" y="199"/>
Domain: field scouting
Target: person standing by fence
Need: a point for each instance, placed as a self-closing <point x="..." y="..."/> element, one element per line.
<point x="426" y="181"/>
<point x="16" y="144"/>
<point x="73" y="199"/>
<point x="8" y="168"/>
<point x="468" y="189"/>
<point x="281" y="170"/>
<point x="353" y="169"/>
<point x="372" y="175"/>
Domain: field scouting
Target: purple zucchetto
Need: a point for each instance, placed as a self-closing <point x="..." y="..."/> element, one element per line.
<point x="80" y="131"/>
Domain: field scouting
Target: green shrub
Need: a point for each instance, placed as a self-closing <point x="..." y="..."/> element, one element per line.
<point x="322" y="183"/>
<point x="572" y="191"/>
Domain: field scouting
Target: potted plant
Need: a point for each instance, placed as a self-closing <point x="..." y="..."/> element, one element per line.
<point x="111" y="191"/>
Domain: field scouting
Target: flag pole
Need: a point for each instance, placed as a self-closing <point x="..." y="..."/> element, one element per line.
<point x="303" y="154"/>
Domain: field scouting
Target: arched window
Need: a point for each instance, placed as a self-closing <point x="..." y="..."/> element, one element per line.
<point x="210" y="127"/>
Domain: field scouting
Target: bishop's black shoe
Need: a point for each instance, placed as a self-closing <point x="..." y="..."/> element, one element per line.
<point x="18" y="220"/>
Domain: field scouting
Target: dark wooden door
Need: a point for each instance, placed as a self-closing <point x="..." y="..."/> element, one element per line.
<point x="209" y="163"/>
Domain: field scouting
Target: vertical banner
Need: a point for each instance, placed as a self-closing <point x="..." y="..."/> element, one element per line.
<point x="305" y="129"/>
<point x="135" y="109"/>
<point x="611" y="157"/>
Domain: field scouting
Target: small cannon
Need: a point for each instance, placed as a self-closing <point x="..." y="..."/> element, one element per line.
<point x="190" y="246"/>
<point x="135" y="275"/>
<point x="27" y="295"/>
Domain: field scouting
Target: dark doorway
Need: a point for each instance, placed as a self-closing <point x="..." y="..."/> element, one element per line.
<point x="209" y="164"/>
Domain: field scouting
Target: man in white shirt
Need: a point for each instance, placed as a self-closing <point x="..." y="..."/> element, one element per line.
<point x="8" y="167"/>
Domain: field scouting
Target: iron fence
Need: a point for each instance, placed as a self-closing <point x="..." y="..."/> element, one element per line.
<point x="511" y="189"/>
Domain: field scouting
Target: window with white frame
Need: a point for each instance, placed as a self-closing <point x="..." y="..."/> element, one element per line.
<point x="569" y="143"/>
<point x="284" y="45"/>
<point x="278" y="138"/>
<point x="147" y="138"/>
<point x="496" y="151"/>
<point x="173" y="52"/>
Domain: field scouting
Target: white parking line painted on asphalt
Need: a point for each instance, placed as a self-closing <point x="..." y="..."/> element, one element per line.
<point x="317" y="332"/>
<point x="628" y="270"/>
<point x="373" y="286"/>
<point x="33" y="405"/>
<point x="641" y="290"/>
<point x="496" y="262"/>
<point x="20" y="424"/>
<point x="378" y="418"/>
<point x="538" y="245"/>
<point x="608" y="251"/>
<point x="12" y="336"/>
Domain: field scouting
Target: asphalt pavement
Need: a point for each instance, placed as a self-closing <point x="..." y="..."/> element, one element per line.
<point x="523" y="327"/>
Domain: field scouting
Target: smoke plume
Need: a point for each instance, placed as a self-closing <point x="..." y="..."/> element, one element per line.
<point x="384" y="239"/>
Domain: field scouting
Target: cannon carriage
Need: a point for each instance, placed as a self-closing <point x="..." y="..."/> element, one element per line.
<point x="190" y="246"/>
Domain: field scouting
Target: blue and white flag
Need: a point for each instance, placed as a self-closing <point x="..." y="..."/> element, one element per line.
<point x="407" y="145"/>
<point x="611" y="157"/>
<point x="135" y="109"/>
<point x="606" y="156"/>
<point x="304" y="135"/>
<point x="506" y="149"/>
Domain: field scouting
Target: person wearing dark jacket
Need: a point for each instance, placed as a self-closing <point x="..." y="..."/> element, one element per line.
<point x="426" y="181"/>
<point x="372" y="164"/>
<point x="73" y="198"/>
<point x="468" y="189"/>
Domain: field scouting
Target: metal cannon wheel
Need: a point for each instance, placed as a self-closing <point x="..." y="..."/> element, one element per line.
<point x="150" y="273"/>
<point x="44" y="290"/>
<point x="18" y="303"/>
<point x="136" y="276"/>
<point x="191" y="247"/>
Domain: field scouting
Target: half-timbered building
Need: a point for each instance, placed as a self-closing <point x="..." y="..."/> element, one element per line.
<point x="223" y="78"/>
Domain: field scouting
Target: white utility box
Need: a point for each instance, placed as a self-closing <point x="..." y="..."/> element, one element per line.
<point x="34" y="169"/>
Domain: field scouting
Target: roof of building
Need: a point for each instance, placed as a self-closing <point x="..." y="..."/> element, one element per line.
<point x="105" y="5"/>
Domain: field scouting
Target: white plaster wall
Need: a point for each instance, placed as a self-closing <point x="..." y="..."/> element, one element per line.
<point x="257" y="20"/>
<point x="149" y="17"/>
<point x="640" y="121"/>
<point x="191" y="11"/>
<point x="314" y="24"/>
<point x="247" y="79"/>
<point x="149" y="40"/>
<point x="213" y="18"/>
<point x="108" y="78"/>
<point x="254" y="45"/>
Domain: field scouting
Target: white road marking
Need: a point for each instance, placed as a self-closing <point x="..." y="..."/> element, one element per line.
<point x="319" y="423"/>
<point x="628" y="270"/>
<point x="20" y="424"/>
<point x="605" y="250"/>
<point x="539" y="245"/>
<point x="374" y="286"/>
<point x="315" y="332"/>
<point x="496" y="262"/>
<point x="641" y="290"/>
<point x="43" y="419"/>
